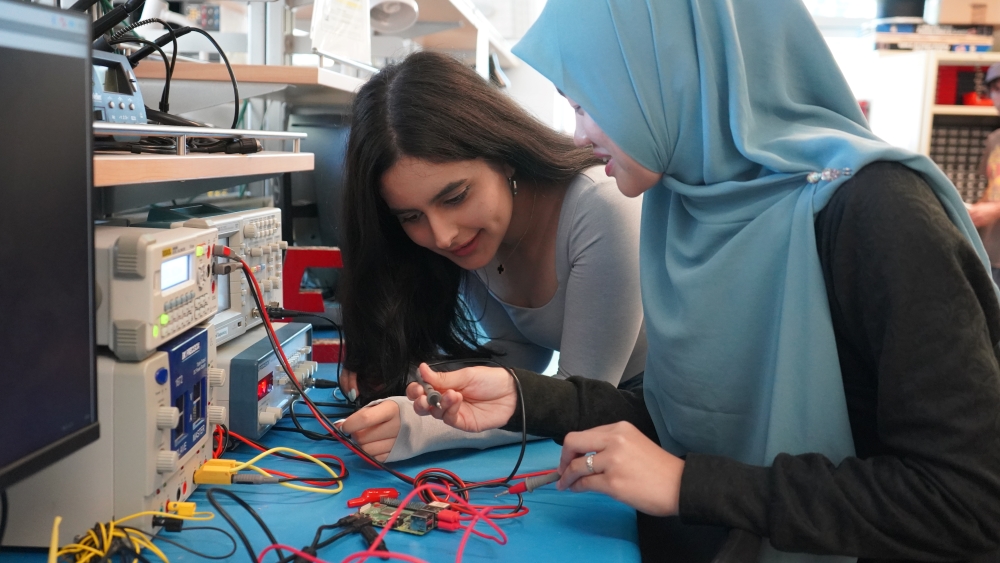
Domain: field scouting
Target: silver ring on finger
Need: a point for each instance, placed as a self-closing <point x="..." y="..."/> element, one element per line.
<point x="590" y="463"/>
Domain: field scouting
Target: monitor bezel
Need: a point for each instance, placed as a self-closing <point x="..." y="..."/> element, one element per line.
<point x="51" y="453"/>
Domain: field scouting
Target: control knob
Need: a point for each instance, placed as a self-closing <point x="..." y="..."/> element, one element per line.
<point x="216" y="415"/>
<point x="166" y="461"/>
<point x="216" y="377"/>
<point x="167" y="418"/>
<point x="269" y="416"/>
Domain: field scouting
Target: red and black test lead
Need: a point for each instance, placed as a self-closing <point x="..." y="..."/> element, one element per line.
<point x="326" y="424"/>
<point x="531" y="483"/>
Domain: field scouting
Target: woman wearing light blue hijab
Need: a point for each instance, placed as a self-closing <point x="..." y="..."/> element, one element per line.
<point x="821" y="324"/>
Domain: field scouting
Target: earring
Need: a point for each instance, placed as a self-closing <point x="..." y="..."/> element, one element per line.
<point x="513" y="185"/>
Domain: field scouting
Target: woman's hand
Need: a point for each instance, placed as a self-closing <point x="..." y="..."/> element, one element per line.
<point x="985" y="213"/>
<point x="627" y="465"/>
<point x="473" y="399"/>
<point x="375" y="428"/>
<point x="349" y="384"/>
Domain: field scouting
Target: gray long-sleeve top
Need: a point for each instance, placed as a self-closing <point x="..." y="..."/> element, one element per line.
<point x="594" y="320"/>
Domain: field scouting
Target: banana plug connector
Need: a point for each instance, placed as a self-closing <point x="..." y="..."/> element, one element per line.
<point x="531" y="483"/>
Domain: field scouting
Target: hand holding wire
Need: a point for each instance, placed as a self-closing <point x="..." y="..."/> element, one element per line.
<point x="473" y="399"/>
<point x="433" y="395"/>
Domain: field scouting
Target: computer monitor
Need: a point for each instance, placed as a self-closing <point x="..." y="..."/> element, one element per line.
<point x="48" y="388"/>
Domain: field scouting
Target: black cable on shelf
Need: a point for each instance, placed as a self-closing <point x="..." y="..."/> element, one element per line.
<point x="166" y="63"/>
<point x="232" y="76"/>
<point x="118" y="37"/>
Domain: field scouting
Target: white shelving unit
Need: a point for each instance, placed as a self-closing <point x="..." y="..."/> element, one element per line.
<point x="903" y="108"/>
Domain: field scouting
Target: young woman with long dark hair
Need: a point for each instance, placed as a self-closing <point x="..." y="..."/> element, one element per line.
<point x="472" y="230"/>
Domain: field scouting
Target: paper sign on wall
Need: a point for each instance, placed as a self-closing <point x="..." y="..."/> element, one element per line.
<point x="342" y="28"/>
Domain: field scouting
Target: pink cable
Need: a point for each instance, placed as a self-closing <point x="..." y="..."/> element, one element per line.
<point x="480" y="514"/>
<point x="313" y="559"/>
<point x="371" y="552"/>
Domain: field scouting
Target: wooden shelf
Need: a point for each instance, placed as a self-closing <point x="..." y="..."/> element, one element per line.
<point x="114" y="169"/>
<point x="981" y="111"/>
<point x="925" y="38"/>
<point x="199" y="85"/>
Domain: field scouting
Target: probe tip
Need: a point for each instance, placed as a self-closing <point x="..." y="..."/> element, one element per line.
<point x="434" y="398"/>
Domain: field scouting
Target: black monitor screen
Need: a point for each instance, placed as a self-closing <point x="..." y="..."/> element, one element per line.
<point x="48" y="405"/>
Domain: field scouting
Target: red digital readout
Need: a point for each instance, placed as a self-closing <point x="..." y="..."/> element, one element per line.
<point x="264" y="386"/>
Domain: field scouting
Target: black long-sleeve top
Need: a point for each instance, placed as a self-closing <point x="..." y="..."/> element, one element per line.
<point x="916" y="321"/>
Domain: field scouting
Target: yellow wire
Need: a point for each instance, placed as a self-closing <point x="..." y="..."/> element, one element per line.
<point x="199" y="516"/>
<point x="76" y="547"/>
<point x="250" y="465"/>
<point x="333" y="491"/>
<point x="146" y="541"/>
<point x="91" y="534"/>
<point x="105" y="533"/>
<point x="90" y="546"/>
<point x="54" y="540"/>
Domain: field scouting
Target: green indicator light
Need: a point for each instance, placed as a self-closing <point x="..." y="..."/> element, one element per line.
<point x="156" y="331"/>
<point x="199" y="251"/>
<point x="164" y="319"/>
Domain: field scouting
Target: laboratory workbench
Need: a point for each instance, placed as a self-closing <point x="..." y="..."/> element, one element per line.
<point x="561" y="526"/>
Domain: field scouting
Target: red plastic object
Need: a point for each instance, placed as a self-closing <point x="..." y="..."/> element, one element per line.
<point x="372" y="495"/>
<point x="947" y="86"/>
<point x="326" y="350"/>
<point x="449" y="526"/>
<point x="297" y="260"/>
<point x="973" y="99"/>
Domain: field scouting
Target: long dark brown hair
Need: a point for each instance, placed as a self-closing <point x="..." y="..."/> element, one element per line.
<point x="400" y="302"/>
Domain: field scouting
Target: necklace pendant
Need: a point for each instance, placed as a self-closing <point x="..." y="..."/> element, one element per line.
<point x="500" y="269"/>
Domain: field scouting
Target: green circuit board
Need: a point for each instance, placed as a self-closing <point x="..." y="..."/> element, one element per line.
<point x="416" y="518"/>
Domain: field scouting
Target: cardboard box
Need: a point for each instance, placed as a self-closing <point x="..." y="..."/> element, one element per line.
<point x="962" y="12"/>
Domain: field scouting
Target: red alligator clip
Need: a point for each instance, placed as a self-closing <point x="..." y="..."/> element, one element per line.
<point x="372" y="495"/>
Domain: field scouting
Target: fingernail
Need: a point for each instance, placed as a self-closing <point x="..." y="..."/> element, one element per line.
<point x="352" y="395"/>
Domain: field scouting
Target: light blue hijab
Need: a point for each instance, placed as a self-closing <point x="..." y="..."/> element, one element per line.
<point x="737" y="102"/>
